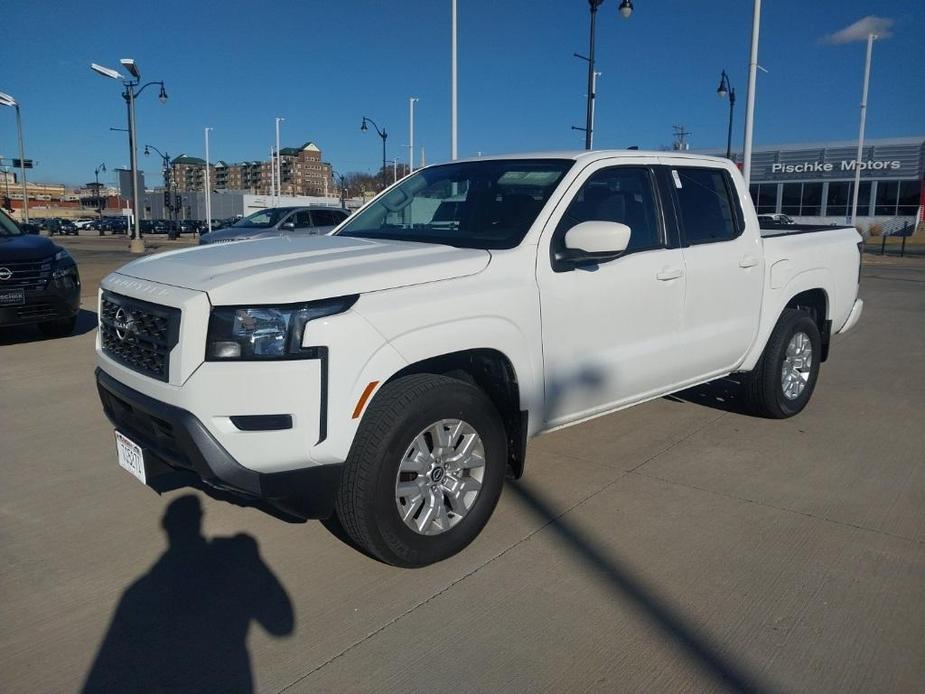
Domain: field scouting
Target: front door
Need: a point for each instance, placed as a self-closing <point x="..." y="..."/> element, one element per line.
<point x="610" y="332"/>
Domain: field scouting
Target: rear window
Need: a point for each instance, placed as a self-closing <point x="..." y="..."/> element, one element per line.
<point x="706" y="209"/>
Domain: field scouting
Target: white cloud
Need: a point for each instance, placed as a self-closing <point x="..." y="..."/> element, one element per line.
<point x="860" y="29"/>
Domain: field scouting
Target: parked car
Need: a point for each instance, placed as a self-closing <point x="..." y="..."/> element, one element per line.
<point x="29" y="228"/>
<point x="39" y="281"/>
<point x="61" y="227"/>
<point x="279" y="221"/>
<point x="395" y="370"/>
<point x="770" y="219"/>
<point x="84" y="223"/>
<point x="114" y="225"/>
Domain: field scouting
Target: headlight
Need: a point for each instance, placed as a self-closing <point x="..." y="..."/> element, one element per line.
<point x="266" y="332"/>
<point x="63" y="255"/>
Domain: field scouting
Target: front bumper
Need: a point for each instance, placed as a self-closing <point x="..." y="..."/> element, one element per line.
<point x="177" y="444"/>
<point x="59" y="300"/>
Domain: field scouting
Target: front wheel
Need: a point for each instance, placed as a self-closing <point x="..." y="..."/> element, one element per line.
<point x="783" y="381"/>
<point x="425" y="470"/>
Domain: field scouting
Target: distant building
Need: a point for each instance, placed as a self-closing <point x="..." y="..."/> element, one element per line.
<point x="301" y="169"/>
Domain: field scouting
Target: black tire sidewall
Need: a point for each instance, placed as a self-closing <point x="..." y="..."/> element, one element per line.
<point x="457" y="400"/>
<point x="799" y="322"/>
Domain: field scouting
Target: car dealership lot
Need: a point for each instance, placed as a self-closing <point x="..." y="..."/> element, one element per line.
<point x="678" y="545"/>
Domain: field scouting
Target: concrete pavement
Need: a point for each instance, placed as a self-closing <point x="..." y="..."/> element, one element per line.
<point x="676" y="546"/>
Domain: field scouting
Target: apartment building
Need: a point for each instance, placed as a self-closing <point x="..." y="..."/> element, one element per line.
<point x="301" y="170"/>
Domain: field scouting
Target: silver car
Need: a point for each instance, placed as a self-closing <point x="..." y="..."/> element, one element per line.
<point x="279" y="221"/>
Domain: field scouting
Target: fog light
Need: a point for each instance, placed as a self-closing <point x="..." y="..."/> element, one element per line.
<point x="226" y="350"/>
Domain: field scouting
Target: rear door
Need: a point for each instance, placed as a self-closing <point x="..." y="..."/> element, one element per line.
<point x="610" y="332"/>
<point x="724" y="265"/>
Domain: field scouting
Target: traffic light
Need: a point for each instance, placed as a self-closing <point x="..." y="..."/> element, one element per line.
<point x="178" y="201"/>
<point x="167" y="199"/>
<point x="16" y="164"/>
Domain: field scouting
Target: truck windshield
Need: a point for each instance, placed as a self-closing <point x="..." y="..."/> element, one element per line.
<point x="476" y="204"/>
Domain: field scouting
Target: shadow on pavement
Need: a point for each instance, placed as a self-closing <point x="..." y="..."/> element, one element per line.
<point x="183" y="625"/>
<point x="623" y="585"/>
<point x="86" y="321"/>
<point x="722" y="394"/>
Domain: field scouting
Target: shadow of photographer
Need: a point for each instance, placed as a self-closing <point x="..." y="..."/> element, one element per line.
<point x="183" y="625"/>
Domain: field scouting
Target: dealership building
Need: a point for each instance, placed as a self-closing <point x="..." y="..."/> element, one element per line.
<point x="814" y="183"/>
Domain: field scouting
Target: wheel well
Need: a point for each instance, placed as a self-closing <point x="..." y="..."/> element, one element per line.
<point x="816" y="303"/>
<point x="493" y="372"/>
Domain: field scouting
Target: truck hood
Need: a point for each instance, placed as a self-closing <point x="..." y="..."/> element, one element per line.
<point x="290" y="269"/>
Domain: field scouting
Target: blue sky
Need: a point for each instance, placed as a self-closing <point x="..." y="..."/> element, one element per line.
<point x="235" y="65"/>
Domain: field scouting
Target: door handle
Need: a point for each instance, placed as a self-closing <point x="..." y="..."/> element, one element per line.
<point x="668" y="273"/>
<point x="748" y="261"/>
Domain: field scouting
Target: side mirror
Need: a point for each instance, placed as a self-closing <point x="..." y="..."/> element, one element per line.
<point x="288" y="226"/>
<point x="592" y="243"/>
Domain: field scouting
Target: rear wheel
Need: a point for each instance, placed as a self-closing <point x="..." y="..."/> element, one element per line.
<point x="425" y="470"/>
<point x="783" y="381"/>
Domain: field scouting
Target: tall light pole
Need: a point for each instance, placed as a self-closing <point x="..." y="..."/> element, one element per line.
<point x="411" y="101"/>
<point x="750" y="97"/>
<point x="626" y="10"/>
<point x="279" y="168"/>
<point x="383" y="134"/>
<point x="130" y="94"/>
<point x="208" y="185"/>
<point x="726" y="89"/>
<point x="343" y="188"/>
<point x="7" y="100"/>
<point x="453" y="91"/>
<point x="99" y="205"/>
<point x="857" y="160"/>
<point x="165" y="159"/>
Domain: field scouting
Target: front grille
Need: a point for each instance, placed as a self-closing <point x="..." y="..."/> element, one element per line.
<point x="144" y="428"/>
<point x="36" y="311"/>
<point x="139" y="334"/>
<point x="31" y="275"/>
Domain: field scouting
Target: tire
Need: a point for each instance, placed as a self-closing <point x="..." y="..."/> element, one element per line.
<point x="400" y="417"/>
<point x="58" y="328"/>
<point x="766" y="390"/>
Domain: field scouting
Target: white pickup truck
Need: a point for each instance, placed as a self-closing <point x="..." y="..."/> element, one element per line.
<point x="392" y="372"/>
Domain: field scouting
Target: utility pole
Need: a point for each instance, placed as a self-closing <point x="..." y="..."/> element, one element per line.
<point x="453" y="97"/>
<point x="857" y="161"/>
<point x="411" y="102"/>
<point x="279" y="168"/>
<point x="750" y="98"/>
<point x="680" y="138"/>
<point x="208" y="189"/>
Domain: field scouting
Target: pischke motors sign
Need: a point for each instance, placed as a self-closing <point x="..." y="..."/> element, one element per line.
<point x="846" y="165"/>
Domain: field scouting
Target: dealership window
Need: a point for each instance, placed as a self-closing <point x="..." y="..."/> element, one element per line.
<point x="811" y="205"/>
<point x="910" y="197"/>
<point x="839" y="198"/>
<point x="887" y="192"/>
<point x="790" y="199"/>
<point x="764" y="197"/>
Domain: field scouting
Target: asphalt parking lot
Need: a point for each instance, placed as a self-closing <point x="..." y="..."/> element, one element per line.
<point x="676" y="546"/>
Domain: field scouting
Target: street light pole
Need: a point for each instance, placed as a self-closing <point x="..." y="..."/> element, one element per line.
<point x="279" y="167"/>
<point x="99" y="205"/>
<point x="208" y="189"/>
<point x="130" y="94"/>
<point x="626" y="9"/>
<point x="857" y="160"/>
<point x="750" y="98"/>
<point x="726" y="89"/>
<point x="453" y="85"/>
<point x="411" y="102"/>
<point x="383" y="134"/>
<point x="165" y="159"/>
<point x="7" y="100"/>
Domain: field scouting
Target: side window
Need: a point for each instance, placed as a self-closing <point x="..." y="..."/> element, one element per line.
<point x="705" y="207"/>
<point x="324" y="218"/>
<point x="302" y="220"/>
<point x="623" y="194"/>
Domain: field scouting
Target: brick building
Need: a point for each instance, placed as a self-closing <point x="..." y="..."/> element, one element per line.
<point x="301" y="170"/>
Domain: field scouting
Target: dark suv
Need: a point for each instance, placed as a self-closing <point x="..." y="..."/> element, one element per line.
<point x="39" y="282"/>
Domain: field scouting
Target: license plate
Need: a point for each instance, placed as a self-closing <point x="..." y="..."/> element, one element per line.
<point x="130" y="456"/>
<point x="12" y="297"/>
